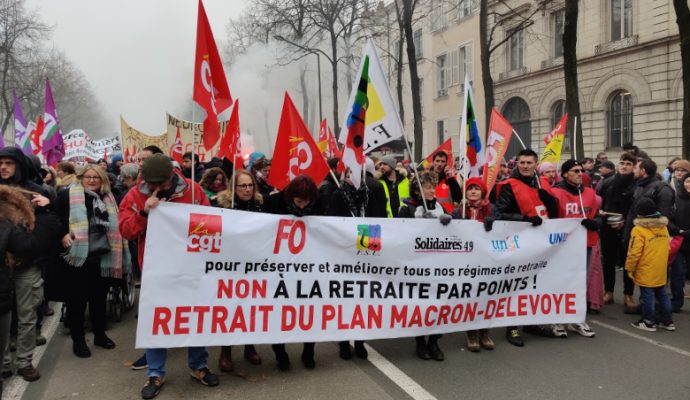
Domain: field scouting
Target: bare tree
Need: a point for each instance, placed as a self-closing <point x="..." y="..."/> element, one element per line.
<point x="572" y="98"/>
<point x="683" y="21"/>
<point x="408" y="9"/>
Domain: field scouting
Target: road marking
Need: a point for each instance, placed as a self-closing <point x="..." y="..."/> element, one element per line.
<point x="642" y="338"/>
<point x="16" y="386"/>
<point x="407" y="384"/>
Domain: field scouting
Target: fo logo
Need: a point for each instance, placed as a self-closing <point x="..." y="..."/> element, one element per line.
<point x="368" y="239"/>
<point x="508" y="245"/>
<point x="205" y="232"/>
<point x="294" y="231"/>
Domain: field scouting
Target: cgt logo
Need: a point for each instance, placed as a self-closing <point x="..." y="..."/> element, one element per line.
<point x="507" y="245"/>
<point x="205" y="232"/>
<point x="368" y="239"/>
<point x="556" y="238"/>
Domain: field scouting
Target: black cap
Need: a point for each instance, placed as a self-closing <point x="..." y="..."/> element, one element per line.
<point x="647" y="208"/>
<point x="157" y="169"/>
<point x="608" y="164"/>
<point x="568" y="165"/>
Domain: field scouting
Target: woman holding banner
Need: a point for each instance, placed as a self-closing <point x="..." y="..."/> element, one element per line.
<point x="95" y="251"/>
<point x="299" y="198"/>
<point x="424" y="205"/>
<point x="246" y="198"/>
<point x="477" y="208"/>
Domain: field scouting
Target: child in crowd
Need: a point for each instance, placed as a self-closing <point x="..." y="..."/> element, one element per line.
<point x="646" y="264"/>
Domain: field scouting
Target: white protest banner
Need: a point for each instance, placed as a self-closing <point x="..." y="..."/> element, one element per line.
<point x="224" y="277"/>
<point x="78" y="144"/>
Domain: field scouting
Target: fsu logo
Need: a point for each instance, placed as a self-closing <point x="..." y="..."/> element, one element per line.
<point x="369" y="239"/>
<point x="205" y="232"/>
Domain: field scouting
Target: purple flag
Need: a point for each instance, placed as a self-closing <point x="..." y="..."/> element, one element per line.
<point x="21" y="136"/>
<point x="52" y="147"/>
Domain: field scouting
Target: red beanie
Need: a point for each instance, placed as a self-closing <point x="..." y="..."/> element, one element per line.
<point x="476" y="181"/>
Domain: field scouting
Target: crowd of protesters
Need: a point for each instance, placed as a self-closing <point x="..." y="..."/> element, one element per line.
<point x="81" y="227"/>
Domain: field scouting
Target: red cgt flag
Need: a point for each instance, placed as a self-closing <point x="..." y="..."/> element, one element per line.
<point x="446" y="147"/>
<point x="35" y="136"/>
<point x="230" y="143"/>
<point x="295" y="153"/>
<point x="500" y="132"/>
<point x="175" y="151"/>
<point x="211" y="90"/>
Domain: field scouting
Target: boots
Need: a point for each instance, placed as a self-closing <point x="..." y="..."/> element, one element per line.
<point x="308" y="356"/>
<point x="608" y="298"/>
<point x="422" y="351"/>
<point x="630" y="305"/>
<point x="281" y="357"/>
<point x="434" y="351"/>
<point x="473" y="341"/>
<point x="484" y="340"/>
<point x="345" y="350"/>
<point x="225" y="361"/>
<point x="251" y="355"/>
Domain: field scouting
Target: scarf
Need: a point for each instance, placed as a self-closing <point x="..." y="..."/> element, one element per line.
<point x="104" y="213"/>
<point x="356" y="199"/>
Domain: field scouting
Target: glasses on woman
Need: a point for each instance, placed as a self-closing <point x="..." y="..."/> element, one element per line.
<point x="245" y="186"/>
<point x="91" y="178"/>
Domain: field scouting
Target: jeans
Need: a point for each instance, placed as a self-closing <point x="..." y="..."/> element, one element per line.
<point x="648" y="305"/>
<point x="197" y="358"/>
<point x="677" y="278"/>
<point x="28" y="287"/>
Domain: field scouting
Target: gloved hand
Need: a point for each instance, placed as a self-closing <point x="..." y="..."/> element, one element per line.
<point x="535" y="221"/>
<point x="488" y="224"/>
<point x="544" y="195"/>
<point x="590" y="224"/>
<point x="428" y="214"/>
<point x="445" y="219"/>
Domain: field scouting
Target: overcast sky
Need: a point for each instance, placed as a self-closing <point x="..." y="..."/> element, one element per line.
<point x="137" y="54"/>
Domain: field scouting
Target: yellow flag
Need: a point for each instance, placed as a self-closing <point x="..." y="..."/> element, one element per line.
<point x="554" y="142"/>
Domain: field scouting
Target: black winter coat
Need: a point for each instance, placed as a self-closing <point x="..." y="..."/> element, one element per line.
<point x="616" y="193"/>
<point x="661" y="194"/>
<point x="682" y="217"/>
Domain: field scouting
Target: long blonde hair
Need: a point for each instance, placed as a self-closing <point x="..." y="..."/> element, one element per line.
<point x="225" y="197"/>
<point x="105" y="181"/>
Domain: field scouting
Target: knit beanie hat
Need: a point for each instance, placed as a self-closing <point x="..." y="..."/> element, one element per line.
<point x="390" y="161"/>
<point x="647" y="208"/>
<point x="568" y="165"/>
<point x="157" y="169"/>
<point x="476" y="181"/>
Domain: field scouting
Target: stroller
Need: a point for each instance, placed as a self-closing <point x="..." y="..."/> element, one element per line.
<point x="121" y="293"/>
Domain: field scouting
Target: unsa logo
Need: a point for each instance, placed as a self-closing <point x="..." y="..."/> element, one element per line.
<point x="205" y="232"/>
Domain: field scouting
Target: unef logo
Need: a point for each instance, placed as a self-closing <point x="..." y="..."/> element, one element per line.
<point x="368" y="239"/>
<point x="300" y="157"/>
<point x="205" y="232"/>
<point x="507" y="245"/>
<point x="294" y="231"/>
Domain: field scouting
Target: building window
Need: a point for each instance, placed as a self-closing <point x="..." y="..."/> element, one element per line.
<point x="442" y="74"/>
<point x="516" y="49"/>
<point x="439" y="14"/>
<point x="621" y="19"/>
<point x="517" y="112"/>
<point x="464" y="8"/>
<point x="558" y="23"/>
<point x="440" y="131"/>
<point x="557" y="112"/>
<point x="620" y="112"/>
<point x="466" y="62"/>
<point x="417" y="40"/>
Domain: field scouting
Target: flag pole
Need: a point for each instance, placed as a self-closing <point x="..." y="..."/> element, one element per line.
<point x="232" y="181"/>
<point x="419" y="183"/>
<point x="579" y="191"/>
<point x="193" y="151"/>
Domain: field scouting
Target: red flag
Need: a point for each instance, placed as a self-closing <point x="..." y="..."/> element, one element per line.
<point x="135" y="153"/>
<point x="230" y="143"/>
<point x="211" y="90"/>
<point x="105" y="155"/>
<point x="446" y="147"/>
<point x="295" y="152"/>
<point x="559" y="129"/>
<point x="175" y="151"/>
<point x="500" y="132"/>
<point x="333" y="150"/>
<point x="127" y="156"/>
<point x="35" y="136"/>
<point x="327" y="143"/>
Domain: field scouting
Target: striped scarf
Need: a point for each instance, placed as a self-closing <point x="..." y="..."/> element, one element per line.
<point x="113" y="263"/>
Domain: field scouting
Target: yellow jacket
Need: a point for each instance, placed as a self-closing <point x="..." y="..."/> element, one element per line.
<point x="648" y="252"/>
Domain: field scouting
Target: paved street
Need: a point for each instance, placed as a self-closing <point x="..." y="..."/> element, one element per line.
<point x="620" y="362"/>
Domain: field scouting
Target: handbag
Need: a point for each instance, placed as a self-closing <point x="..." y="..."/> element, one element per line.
<point x="98" y="242"/>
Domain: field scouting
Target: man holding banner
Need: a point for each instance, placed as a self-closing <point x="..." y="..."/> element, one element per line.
<point x="160" y="183"/>
<point x="521" y="198"/>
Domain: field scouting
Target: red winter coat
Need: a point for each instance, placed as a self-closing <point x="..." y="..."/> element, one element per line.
<point x="133" y="225"/>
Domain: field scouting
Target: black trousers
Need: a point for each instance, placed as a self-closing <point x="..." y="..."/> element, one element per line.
<point x="613" y="253"/>
<point x="87" y="287"/>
